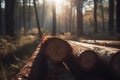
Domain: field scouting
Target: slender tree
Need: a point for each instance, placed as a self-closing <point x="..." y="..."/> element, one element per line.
<point x="20" y="15"/>
<point x="9" y="17"/>
<point x="70" y="16"/>
<point x="29" y="18"/>
<point x="79" y="4"/>
<point x="43" y="11"/>
<point x="0" y="18"/>
<point x="102" y="12"/>
<point x="118" y="16"/>
<point x="111" y="16"/>
<point x="24" y="20"/>
<point x="54" y="18"/>
<point x="37" y="19"/>
<point x="95" y="16"/>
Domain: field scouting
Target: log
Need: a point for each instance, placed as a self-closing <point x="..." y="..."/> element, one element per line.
<point x="55" y="49"/>
<point x="84" y="57"/>
<point x="104" y="52"/>
<point x="107" y="43"/>
<point x="88" y="60"/>
<point x="58" y="50"/>
<point x="76" y="56"/>
<point x="115" y="64"/>
<point x="89" y="65"/>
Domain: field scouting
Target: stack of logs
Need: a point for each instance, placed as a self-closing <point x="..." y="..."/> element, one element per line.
<point x="57" y="59"/>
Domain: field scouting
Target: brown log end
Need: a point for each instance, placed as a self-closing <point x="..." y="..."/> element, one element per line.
<point x="88" y="60"/>
<point x="115" y="63"/>
<point x="55" y="49"/>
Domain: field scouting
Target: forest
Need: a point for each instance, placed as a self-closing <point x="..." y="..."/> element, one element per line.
<point x="23" y="23"/>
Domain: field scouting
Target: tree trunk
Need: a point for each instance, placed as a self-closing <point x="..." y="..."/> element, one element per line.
<point x="73" y="22"/>
<point x="95" y="16"/>
<point x="29" y="25"/>
<point x="54" y="19"/>
<point x="111" y="16"/>
<point x="79" y="18"/>
<point x="20" y="16"/>
<point x="24" y="19"/>
<point x="37" y="19"/>
<point x="70" y="17"/>
<point x="118" y="16"/>
<point x="102" y="12"/>
<point x="43" y="13"/>
<point x="0" y="18"/>
<point x="9" y="17"/>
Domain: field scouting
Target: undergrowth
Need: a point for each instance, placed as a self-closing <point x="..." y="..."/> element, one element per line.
<point x="14" y="51"/>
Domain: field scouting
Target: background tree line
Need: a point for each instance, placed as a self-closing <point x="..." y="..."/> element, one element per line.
<point x="81" y="16"/>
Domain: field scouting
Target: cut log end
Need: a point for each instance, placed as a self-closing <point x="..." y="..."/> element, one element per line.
<point x="115" y="63"/>
<point x="87" y="60"/>
<point x="56" y="49"/>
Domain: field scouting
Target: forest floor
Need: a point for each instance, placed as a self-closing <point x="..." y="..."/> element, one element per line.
<point x="14" y="53"/>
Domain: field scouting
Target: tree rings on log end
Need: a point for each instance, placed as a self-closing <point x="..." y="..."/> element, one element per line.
<point x="56" y="49"/>
<point x="88" y="60"/>
<point x="115" y="63"/>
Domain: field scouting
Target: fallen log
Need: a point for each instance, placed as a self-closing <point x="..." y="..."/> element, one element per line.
<point x="48" y="64"/>
<point x="88" y="60"/>
<point x="55" y="49"/>
<point x="84" y="57"/>
<point x="76" y="56"/>
<point x="107" y="43"/>
<point x="90" y="64"/>
<point x="115" y="64"/>
<point x="58" y="50"/>
<point x="104" y="52"/>
<point x="87" y="63"/>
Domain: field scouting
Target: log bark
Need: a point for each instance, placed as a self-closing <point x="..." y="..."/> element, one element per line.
<point x="90" y="62"/>
<point x="107" y="43"/>
<point x="104" y="52"/>
<point x="115" y="64"/>
<point x="84" y="57"/>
